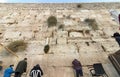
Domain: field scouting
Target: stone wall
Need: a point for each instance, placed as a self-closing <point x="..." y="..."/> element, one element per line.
<point x="28" y="22"/>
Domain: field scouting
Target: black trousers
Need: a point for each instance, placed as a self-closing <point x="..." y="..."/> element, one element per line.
<point x="18" y="74"/>
<point x="79" y="73"/>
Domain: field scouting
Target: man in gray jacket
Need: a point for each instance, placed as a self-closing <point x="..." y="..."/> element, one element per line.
<point x="21" y="68"/>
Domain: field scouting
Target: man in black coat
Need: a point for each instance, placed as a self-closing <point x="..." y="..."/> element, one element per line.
<point x="21" y="68"/>
<point x="36" y="71"/>
<point x="117" y="37"/>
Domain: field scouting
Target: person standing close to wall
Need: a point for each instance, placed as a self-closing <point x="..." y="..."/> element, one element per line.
<point x="36" y="71"/>
<point x="117" y="37"/>
<point x="78" y="68"/>
<point x="8" y="71"/>
<point x="21" y="68"/>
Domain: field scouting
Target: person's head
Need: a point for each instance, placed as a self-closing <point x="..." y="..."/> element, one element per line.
<point x="75" y="60"/>
<point x="11" y="65"/>
<point x="37" y="65"/>
<point x="25" y="59"/>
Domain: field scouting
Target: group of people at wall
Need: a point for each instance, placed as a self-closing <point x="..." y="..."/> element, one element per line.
<point x="36" y="71"/>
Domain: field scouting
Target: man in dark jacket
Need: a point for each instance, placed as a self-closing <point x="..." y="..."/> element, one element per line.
<point x="117" y="37"/>
<point x="21" y="68"/>
<point x="36" y="71"/>
<point x="78" y="67"/>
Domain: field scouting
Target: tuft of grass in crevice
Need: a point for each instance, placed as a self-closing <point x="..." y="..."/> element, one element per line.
<point x="92" y="23"/>
<point x="61" y="26"/>
<point x="18" y="45"/>
<point x="79" y="5"/>
<point x="52" y="21"/>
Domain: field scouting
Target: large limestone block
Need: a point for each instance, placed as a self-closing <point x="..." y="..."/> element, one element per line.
<point x="52" y="41"/>
<point x="74" y="16"/>
<point x="79" y="27"/>
<point x="8" y="21"/>
<point x="64" y="72"/>
<point x="59" y="16"/>
<point x="11" y="35"/>
<point x="109" y="31"/>
<point x="62" y="60"/>
<point x="35" y="48"/>
<point x="47" y="12"/>
<point x="58" y="72"/>
<point x="27" y="35"/>
<point x="61" y="40"/>
<point x="63" y="49"/>
<point x="43" y="35"/>
<point x="24" y="24"/>
<point x="33" y="12"/>
<point x="110" y="46"/>
<point x="76" y="34"/>
<point x="62" y="34"/>
<point x="84" y="11"/>
<point x="69" y="22"/>
<point x="89" y="47"/>
<point x="89" y="58"/>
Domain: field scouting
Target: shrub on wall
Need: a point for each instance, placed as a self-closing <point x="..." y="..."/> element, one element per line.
<point x="18" y="45"/>
<point x="61" y="26"/>
<point x="79" y="5"/>
<point x="92" y="23"/>
<point x="46" y="48"/>
<point x="52" y="21"/>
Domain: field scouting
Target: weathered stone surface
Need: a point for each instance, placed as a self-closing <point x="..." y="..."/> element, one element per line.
<point x="76" y="40"/>
<point x="11" y="35"/>
<point x="62" y="34"/>
<point x="110" y="46"/>
<point x="76" y="34"/>
<point x="35" y="48"/>
<point x="63" y="49"/>
<point x="61" y="40"/>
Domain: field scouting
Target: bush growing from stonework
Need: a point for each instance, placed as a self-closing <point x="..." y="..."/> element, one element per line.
<point x="18" y="45"/>
<point x="46" y="48"/>
<point x="52" y="21"/>
<point x="79" y="5"/>
<point x="92" y="23"/>
<point x="61" y="26"/>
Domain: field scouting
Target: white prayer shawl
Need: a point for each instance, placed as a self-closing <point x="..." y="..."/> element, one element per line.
<point x="35" y="73"/>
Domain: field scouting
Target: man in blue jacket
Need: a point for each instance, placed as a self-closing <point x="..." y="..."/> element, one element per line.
<point x="8" y="71"/>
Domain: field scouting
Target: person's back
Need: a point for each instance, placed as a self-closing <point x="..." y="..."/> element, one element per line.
<point x="8" y="72"/>
<point x="78" y="67"/>
<point x="36" y="71"/>
<point x="76" y="64"/>
<point x="21" y="68"/>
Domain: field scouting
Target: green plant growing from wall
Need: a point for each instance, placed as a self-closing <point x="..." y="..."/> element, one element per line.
<point x="79" y="5"/>
<point x="46" y="48"/>
<point x="52" y="21"/>
<point x="92" y="23"/>
<point x="18" y="45"/>
<point x="61" y="26"/>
